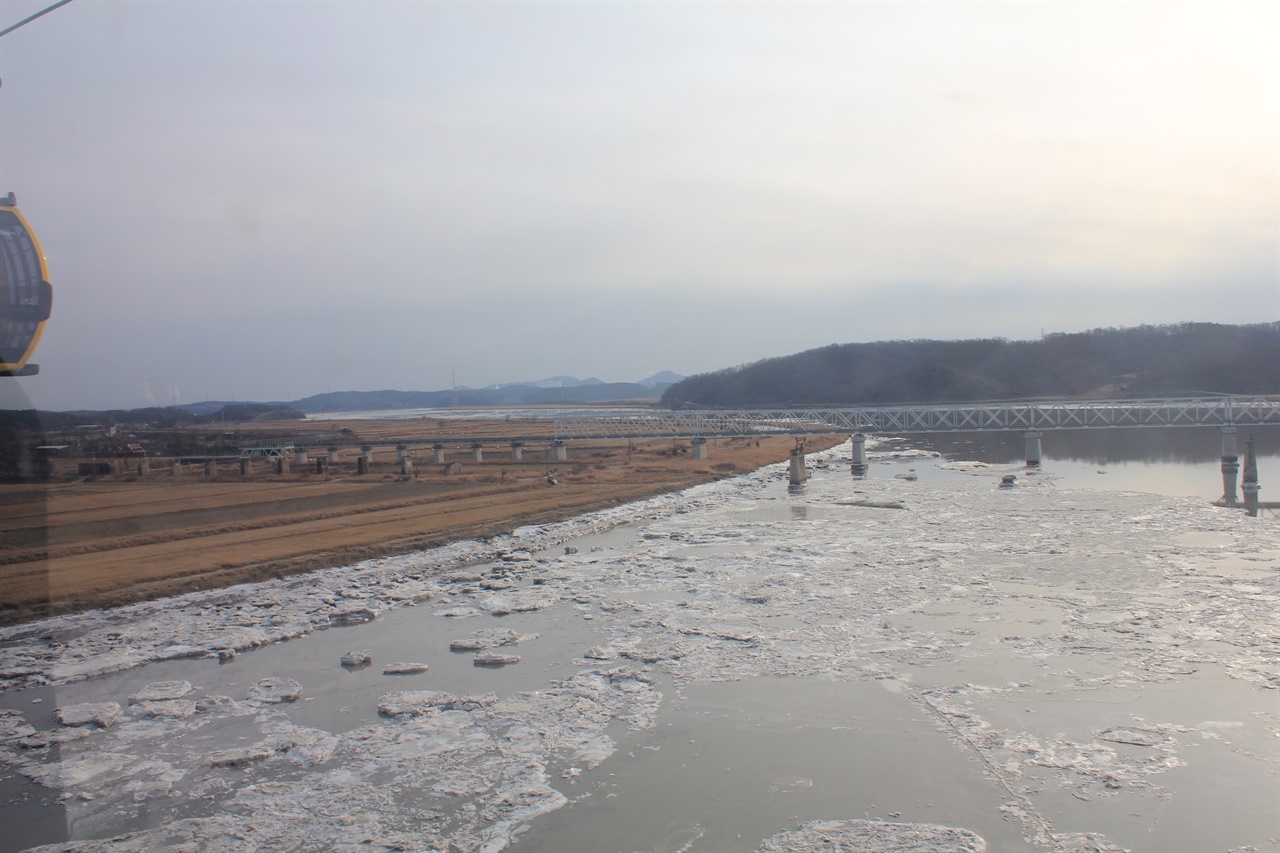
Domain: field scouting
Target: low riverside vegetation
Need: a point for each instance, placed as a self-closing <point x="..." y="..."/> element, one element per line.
<point x="1184" y="359"/>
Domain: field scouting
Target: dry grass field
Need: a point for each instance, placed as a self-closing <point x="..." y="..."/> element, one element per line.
<point x="80" y="543"/>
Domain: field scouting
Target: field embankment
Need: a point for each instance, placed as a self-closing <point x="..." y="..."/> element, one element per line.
<point x="75" y="544"/>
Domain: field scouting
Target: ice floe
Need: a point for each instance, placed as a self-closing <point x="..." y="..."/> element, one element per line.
<point x="820" y="836"/>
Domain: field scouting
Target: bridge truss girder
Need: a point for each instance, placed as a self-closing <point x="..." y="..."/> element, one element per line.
<point x="960" y="417"/>
<point x="270" y="450"/>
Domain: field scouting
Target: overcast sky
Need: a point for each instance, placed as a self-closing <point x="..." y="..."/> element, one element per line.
<point x="266" y="200"/>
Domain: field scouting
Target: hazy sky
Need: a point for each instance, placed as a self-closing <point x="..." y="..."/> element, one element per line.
<point x="265" y="200"/>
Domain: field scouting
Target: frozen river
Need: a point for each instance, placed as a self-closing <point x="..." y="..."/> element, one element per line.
<point x="886" y="664"/>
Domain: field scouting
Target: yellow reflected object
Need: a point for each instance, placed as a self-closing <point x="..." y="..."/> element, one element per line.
<point x="26" y="296"/>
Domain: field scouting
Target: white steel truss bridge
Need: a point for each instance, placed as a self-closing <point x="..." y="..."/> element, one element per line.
<point x="955" y="417"/>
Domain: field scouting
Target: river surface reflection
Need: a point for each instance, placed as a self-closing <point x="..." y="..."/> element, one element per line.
<point x="1164" y="461"/>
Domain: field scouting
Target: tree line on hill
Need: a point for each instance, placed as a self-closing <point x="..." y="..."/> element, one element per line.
<point x="160" y="417"/>
<point x="507" y="395"/>
<point x="1145" y="361"/>
<point x="213" y="412"/>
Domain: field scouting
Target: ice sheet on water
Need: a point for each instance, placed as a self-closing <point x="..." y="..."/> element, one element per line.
<point x="100" y="714"/>
<point x="873" y="836"/>
<point x="490" y="638"/>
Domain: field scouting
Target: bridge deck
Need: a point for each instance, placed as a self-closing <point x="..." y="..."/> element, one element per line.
<point x="960" y="417"/>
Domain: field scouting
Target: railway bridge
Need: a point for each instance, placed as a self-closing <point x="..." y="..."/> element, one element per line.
<point x="931" y="417"/>
<point x="1033" y="419"/>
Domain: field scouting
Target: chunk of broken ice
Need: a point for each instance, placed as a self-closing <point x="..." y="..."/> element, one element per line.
<point x="495" y="659"/>
<point x="274" y="690"/>
<point x="100" y="714"/>
<point x="161" y="691"/>
<point x="404" y="668"/>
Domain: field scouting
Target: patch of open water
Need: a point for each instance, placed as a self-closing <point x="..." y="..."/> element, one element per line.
<point x="730" y="763"/>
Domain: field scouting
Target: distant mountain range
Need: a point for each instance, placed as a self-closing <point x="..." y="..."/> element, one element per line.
<point x="662" y="379"/>
<point x="556" y="389"/>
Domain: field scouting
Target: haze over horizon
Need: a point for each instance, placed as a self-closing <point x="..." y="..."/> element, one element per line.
<point x="268" y="201"/>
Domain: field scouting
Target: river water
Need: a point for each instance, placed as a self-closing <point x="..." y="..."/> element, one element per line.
<point x="916" y="660"/>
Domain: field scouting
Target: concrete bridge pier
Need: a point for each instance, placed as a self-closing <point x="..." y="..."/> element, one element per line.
<point x="282" y="464"/>
<point x="477" y="452"/>
<point x="402" y="451"/>
<point x="438" y="450"/>
<point x="859" y="454"/>
<point x="1230" y="466"/>
<point x="246" y="466"/>
<point x="301" y="457"/>
<point x="1250" y="474"/>
<point x="699" y="448"/>
<point x="1249" y="479"/>
<point x="210" y="468"/>
<point x="144" y="467"/>
<point x="406" y="465"/>
<point x="1033" y="447"/>
<point x="333" y="455"/>
<point x="366" y="452"/>
<point x="559" y="451"/>
<point x="517" y="451"/>
<point x="362" y="464"/>
<point x="1229" y="444"/>
<point x="797" y="473"/>
<point x="319" y="464"/>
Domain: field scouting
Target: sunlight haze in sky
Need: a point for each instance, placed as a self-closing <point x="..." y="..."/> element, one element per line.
<point x="263" y="201"/>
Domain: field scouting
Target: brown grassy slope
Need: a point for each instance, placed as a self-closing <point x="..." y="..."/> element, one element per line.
<point x="70" y="546"/>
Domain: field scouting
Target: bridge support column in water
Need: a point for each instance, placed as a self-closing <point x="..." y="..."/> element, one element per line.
<point x="1230" y="465"/>
<point x="859" y="454"/>
<point x="798" y="474"/>
<point x="1033" y="447"/>
<point x="559" y="451"/>
<point x="699" y="448"/>
<point x="1249" y="484"/>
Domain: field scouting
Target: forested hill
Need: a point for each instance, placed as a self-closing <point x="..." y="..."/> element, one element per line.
<point x="1190" y="358"/>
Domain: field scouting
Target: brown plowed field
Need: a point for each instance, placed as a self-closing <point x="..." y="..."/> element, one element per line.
<point x="75" y="544"/>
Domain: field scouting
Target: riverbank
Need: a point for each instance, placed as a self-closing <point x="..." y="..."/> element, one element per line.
<point x="79" y="544"/>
